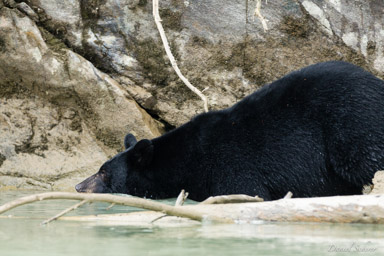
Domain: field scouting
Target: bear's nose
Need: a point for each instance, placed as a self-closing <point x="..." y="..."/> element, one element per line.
<point x="78" y="187"/>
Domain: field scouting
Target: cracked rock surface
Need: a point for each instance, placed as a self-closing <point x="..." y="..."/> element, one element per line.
<point x="60" y="117"/>
<point x="44" y="147"/>
<point x="76" y="76"/>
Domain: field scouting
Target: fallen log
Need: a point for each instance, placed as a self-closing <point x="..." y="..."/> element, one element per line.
<point x="115" y="199"/>
<point x="337" y="209"/>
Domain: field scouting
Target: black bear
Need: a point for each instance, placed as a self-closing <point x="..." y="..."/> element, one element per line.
<point x="318" y="131"/>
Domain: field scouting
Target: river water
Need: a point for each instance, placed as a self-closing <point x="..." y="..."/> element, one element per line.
<point x="22" y="234"/>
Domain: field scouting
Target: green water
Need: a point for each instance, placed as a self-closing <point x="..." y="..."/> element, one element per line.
<point x="25" y="236"/>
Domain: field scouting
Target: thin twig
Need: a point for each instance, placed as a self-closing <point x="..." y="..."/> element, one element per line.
<point x="157" y="18"/>
<point x="122" y="200"/>
<point x="257" y="13"/>
<point x="73" y="207"/>
<point x="181" y="198"/>
<point x="179" y="202"/>
<point x="160" y="217"/>
<point x="230" y="199"/>
<point x="288" y="195"/>
<point x="110" y="206"/>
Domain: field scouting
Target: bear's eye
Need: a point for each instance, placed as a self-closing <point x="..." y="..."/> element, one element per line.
<point x="103" y="174"/>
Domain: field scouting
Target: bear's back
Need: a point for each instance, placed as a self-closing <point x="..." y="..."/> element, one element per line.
<point x="315" y="85"/>
<point x="319" y="130"/>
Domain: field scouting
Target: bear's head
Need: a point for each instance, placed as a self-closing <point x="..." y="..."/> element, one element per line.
<point x="125" y="173"/>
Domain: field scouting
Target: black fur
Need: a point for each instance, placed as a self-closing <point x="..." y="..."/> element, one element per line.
<point x="318" y="131"/>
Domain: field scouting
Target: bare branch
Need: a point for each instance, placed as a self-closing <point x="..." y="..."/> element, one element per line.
<point x="110" y="206"/>
<point x="157" y="18"/>
<point x="288" y="195"/>
<point x="122" y="200"/>
<point x="257" y="13"/>
<point x="179" y="202"/>
<point x="181" y="198"/>
<point x="336" y="209"/>
<point x="73" y="207"/>
<point x="158" y="218"/>
<point x="230" y="199"/>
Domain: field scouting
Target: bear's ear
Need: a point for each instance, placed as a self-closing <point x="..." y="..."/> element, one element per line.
<point x="129" y="140"/>
<point x="142" y="154"/>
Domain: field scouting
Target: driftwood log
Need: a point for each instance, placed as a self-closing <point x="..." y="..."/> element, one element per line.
<point x="114" y="199"/>
<point x="338" y="209"/>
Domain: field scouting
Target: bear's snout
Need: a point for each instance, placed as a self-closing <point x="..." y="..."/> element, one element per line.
<point x="79" y="188"/>
<point x="88" y="185"/>
<point x="93" y="184"/>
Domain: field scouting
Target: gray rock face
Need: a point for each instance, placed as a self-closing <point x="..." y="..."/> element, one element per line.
<point x="75" y="76"/>
<point x="359" y="24"/>
<point x="61" y="118"/>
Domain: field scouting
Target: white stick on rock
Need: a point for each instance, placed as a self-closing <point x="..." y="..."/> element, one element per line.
<point x="157" y="18"/>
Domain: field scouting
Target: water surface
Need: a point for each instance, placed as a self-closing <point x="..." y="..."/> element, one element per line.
<point x="23" y="235"/>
